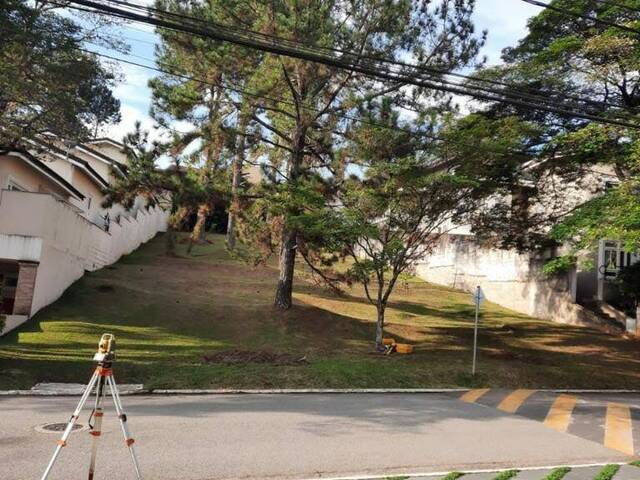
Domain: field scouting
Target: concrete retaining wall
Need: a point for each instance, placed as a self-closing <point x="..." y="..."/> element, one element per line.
<point x="507" y="278"/>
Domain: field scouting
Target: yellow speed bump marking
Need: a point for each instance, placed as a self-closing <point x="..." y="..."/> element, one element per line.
<point x="559" y="415"/>
<point x="473" y="395"/>
<point x="512" y="402"/>
<point x="618" y="433"/>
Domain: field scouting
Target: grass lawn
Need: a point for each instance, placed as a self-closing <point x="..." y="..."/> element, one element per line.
<point x="167" y="312"/>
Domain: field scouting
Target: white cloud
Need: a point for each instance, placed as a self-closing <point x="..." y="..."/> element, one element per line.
<point x="506" y="22"/>
<point x="134" y="88"/>
<point x="130" y="116"/>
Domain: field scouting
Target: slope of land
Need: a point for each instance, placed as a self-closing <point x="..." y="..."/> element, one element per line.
<point x="168" y="312"/>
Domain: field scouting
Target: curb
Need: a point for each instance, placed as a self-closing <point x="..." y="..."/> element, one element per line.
<point x="293" y="391"/>
<point x="466" y="472"/>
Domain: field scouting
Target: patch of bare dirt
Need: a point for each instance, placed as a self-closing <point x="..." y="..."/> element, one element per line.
<point x="236" y="357"/>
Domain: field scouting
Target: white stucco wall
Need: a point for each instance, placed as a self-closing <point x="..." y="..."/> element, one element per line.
<point x="14" y="169"/>
<point x="100" y="166"/>
<point x="13" y="321"/>
<point x="507" y="278"/>
<point x="20" y="247"/>
<point x="69" y="243"/>
<point x="110" y="150"/>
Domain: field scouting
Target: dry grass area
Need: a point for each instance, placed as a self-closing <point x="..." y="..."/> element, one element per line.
<point x="169" y="312"/>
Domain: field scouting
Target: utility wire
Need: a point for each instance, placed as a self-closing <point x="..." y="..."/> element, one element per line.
<point x="284" y="101"/>
<point x="227" y="86"/>
<point x="539" y="96"/>
<point x="509" y="94"/>
<point x="583" y="16"/>
<point x="400" y="77"/>
<point x="603" y="105"/>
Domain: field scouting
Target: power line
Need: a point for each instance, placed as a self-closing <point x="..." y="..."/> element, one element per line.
<point x="583" y="16"/>
<point x="517" y="96"/>
<point x="404" y="107"/>
<point x="420" y="68"/>
<point x="595" y="103"/>
<point x="284" y="101"/>
<point x="236" y="89"/>
<point x="399" y="77"/>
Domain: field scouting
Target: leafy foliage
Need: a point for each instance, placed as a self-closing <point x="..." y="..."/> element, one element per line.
<point x="558" y="473"/>
<point x="506" y="475"/>
<point x="629" y="283"/>
<point x="299" y="127"/>
<point x="561" y="58"/>
<point x="288" y="110"/>
<point x="177" y="188"/>
<point x="615" y="215"/>
<point x="395" y="213"/>
<point x="453" y="476"/>
<point x="47" y="82"/>
<point x="608" y="472"/>
<point x="559" y="265"/>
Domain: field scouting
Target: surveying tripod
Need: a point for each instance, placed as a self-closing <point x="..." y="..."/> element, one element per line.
<point x="102" y="376"/>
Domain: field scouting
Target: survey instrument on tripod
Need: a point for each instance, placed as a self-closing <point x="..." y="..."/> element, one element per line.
<point x="101" y="378"/>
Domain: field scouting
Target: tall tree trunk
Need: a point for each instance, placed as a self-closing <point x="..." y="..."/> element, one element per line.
<point x="173" y="225"/>
<point x="287" y="263"/>
<point x="380" y="326"/>
<point x="238" y="162"/>
<point x="199" y="232"/>
<point x="289" y="235"/>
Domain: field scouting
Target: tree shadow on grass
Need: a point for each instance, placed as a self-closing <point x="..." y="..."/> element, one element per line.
<point x="154" y="330"/>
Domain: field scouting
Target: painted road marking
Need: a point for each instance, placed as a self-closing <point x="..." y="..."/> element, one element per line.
<point x="512" y="402"/>
<point x="472" y="395"/>
<point x="559" y="415"/>
<point x="618" y="433"/>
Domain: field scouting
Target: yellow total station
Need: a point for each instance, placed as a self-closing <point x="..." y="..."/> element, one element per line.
<point x="106" y="348"/>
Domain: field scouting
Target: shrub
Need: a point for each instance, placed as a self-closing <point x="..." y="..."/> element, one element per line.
<point x="628" y="282"/>
<point x="559" y="265"/>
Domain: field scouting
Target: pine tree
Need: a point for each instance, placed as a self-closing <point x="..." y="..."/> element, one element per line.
<point x="48" y="84"/>
<point x="303" y="120"/>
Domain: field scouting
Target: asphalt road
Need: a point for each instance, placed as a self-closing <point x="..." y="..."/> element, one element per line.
<point x="291" y="437"/>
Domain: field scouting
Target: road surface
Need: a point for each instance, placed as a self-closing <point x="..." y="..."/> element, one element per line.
<point x="214" y="437"/>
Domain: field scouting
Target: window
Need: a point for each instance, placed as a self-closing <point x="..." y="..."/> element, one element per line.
<point x="610" y="263"/>
<point x="614" y="258"/>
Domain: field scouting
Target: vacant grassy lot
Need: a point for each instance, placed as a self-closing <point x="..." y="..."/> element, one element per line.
<point x="167" y="312"/>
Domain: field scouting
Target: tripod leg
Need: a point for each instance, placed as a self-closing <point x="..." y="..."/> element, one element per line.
<point x="123" y="423"/>
<point x="63" y="440"/>
<point x="97" y="427"/>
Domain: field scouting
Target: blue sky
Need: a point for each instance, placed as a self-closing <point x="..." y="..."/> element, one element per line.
<point x="504" y="19"/>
